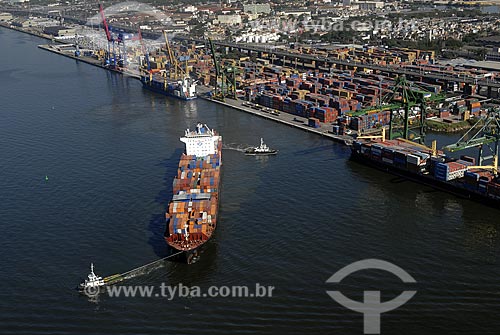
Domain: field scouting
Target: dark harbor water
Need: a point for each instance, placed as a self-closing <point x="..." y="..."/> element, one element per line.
<point x="110" y="151"/>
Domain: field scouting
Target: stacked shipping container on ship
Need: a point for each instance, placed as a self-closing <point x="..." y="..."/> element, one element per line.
<point x="192" y="213"/>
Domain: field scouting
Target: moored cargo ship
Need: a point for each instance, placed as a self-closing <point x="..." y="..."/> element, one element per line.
<point x="431" y="167"/>
<point x="184" y="89"/>
<point x="193" y="212"/>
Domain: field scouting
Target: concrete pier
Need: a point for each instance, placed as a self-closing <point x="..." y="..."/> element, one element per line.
<point x="58" y="49"/>
<point x="325" y="130"/>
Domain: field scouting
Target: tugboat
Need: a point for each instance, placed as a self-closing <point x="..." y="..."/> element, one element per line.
<point x="263" y="149"/>
<point x="92" y="283"/>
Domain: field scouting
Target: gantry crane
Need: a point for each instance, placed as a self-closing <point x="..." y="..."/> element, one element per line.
<point x="120" y="43"/>
<point x="227" y="76"/>
<point x="485" y="134"/>
<point x="122" y="37"/>
<point x="230" y="73"/>
<point x="110" y="38"/>
<point x="218" y="94"/>
<point x="407" y="94"/>
<point x="402" y="96"/>
<point x="145" y="69"/>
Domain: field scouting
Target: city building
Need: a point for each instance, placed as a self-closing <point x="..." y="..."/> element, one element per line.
<point x="59" y="31"/>
<point x="229" y="19"/>
<point x="5" y="17"/>
<point x="493" y="55"/>
<point x="296" y="12"/>
<point x="370" y="5"/>
<point x="190" y="9"/>
<point x="257" y="8"/>
<point x="25" y="23"/>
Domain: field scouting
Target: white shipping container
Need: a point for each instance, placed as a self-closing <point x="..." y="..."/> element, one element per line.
<point x="422" y="155"/>
<point x="412" y="159"/>
<point x="455" y="175"/>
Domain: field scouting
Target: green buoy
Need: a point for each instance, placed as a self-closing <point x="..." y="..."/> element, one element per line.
<point x="46" y="178"/>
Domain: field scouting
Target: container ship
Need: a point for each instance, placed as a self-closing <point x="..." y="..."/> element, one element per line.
<point x="431" y="167"/>
<point x="192" y="213"/>
<point x="184" y="89"/>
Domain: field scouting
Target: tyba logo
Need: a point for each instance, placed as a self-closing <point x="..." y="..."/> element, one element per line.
<point x="371" y="307"/>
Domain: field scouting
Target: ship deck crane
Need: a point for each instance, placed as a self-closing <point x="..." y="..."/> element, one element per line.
<point x="382" y="137"/>
<point x="493" y="168"/>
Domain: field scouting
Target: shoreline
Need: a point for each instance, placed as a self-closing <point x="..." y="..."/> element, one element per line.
<point x="55" y="49"/>
<point x="448" y="128"/>
<point x="283" y="118"/>
<point x="88" y="60"/>
<point x="29" y="32"/>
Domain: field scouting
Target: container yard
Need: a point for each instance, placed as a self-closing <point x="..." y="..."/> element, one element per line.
<point x="345" y="97"/>
<point x="348" y="98"/>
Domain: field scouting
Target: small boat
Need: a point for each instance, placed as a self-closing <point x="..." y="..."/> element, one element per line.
<point x="92" y="283"/>
<point x="263" y="149"/>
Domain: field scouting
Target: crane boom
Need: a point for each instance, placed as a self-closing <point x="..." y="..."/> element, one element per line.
<point x="144" y="51"/>
<point x="216" y="62"/>
<point x="174" y="64"/>
<point x="105" y="24"/>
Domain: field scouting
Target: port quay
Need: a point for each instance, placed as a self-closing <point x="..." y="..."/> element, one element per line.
<point x="203" y="92"/>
